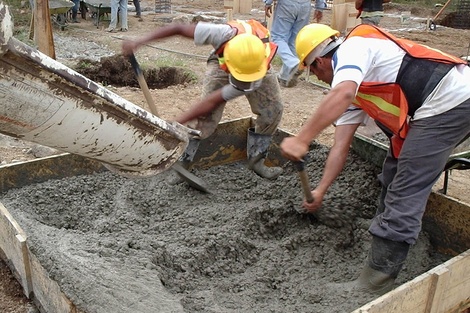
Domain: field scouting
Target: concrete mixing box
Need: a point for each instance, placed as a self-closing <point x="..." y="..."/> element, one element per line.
<point x="445" y="288"/>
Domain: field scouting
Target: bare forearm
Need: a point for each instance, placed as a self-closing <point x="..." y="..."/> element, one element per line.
<point x="333" y="105"/>
<point x="337" y="157"/>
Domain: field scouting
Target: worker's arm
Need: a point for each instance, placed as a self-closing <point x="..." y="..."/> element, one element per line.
<point x="268" y="8"/>
<point x="344" y="135"/>
<point x="203" y="107"/>
<point x="331" y="107"/>
<point x="185" y="30"/>
<point x="386" y="1"/>
<point x="358" y="4"/>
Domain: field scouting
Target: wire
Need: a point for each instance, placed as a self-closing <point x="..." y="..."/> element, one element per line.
<point x="169" y="50"/>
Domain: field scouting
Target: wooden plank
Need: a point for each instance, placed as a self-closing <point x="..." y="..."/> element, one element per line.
<point x="12" y="243"/>
<point x="43" y="28"/>
<point x="236" y="6"/>
<point x="344" y="17"/>
<point x="444" y="289"/>
<point x="229" y="15"/>
<point x="245" y="6"/>
<point x="47" y="292"/>
<point x="441" y="278"/>
<point x="447" y="221"/>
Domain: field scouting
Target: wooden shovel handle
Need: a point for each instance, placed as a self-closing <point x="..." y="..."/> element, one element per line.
<point x="143" y="84"/>
<point x="304" y="180"/>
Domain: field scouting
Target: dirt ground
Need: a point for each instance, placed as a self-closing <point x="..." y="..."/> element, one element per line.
<point x="299" y="101"/>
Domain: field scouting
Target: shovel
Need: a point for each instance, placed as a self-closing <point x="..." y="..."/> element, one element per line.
<point x="190" y="178"/>
<point x="300" y="167"/>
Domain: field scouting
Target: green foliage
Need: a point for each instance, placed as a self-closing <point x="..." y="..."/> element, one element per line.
<point x="21" y="14"/>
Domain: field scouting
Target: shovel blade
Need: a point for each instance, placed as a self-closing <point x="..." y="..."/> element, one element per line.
<point x="190" y="178"/>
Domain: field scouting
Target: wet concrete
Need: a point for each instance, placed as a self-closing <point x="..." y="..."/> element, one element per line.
<point x="120" y="245"/>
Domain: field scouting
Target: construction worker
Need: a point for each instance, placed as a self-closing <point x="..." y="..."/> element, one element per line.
<point x="418" y="95"/>
<point x="238" y="65"/>
<point x="288" y="19"/>
<point x="370" y="11"/>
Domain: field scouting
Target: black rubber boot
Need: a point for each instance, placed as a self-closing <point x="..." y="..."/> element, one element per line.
<point x="74" y="17"/>
<point x="257" y="150"/>
<point x="385" y="261"/>
<point x="185" y="160"/>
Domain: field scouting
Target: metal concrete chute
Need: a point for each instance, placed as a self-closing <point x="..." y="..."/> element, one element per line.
<point x="45" y="102"/>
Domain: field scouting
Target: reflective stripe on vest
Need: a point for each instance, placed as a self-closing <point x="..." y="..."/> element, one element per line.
<point x="253" y="27"/>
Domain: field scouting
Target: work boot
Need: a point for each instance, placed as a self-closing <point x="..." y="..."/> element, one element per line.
<point x="257" y="150"/>
<point x="74" y="17"/>
<point x="384" y="262"/>
<point x="185" y="160"/>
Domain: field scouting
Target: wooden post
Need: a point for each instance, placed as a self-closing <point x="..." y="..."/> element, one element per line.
<point x="344" y="16"/>
<point x="245" y="6"/>
<point x="229" y="15"/>
<point x="43" y="28"/>
<point x="236" y="6"/>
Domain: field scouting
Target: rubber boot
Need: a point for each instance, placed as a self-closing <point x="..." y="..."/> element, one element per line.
<point x="385" y="261"/>
<point x="74" y="17"/>
<point x="257" y="150"/>
<point x="185" y="161"/>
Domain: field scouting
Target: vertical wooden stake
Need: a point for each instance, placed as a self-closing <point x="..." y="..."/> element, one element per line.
<point x="43" y="28"/>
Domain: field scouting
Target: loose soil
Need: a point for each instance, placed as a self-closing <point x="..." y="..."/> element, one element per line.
<point x="86" y="41"/>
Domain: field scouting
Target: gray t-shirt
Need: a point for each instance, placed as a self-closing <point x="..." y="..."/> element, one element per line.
<point x="216" y="35"/>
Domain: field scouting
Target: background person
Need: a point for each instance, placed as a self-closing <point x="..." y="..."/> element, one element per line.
<point x="370" y="11"/>
<point x="238" y="66"/>
<point x="118" y="6"/>
<point x="138" y="10"/>
<point x="288" y="19"/>
<point x="419" y="95"/>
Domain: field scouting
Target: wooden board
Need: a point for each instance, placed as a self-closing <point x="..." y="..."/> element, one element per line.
<point x="344" y="17"/>
<point x="444" y="289"/>
<point x="245" y="6"/>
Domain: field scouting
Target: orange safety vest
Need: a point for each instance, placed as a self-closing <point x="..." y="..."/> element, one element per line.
<point x="257" y="29"/>
<point x="386" y="102"/>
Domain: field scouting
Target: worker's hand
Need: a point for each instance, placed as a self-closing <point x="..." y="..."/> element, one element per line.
<point x="359" y="12"/>
<point x="128" y="47"/>
<point x="318" y="15"/>
<point x="316" y="204"/>
<point x="268" y="10"/>
<point x="293" y="149"/>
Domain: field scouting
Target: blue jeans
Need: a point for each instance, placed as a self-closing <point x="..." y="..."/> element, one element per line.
<point x="121" y="7"/>
<point x="289" y="17"/>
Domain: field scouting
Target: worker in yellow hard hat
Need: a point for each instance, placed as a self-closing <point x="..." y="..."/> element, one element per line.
<point x="238" y="65"/>
<point x="419" y="97"/>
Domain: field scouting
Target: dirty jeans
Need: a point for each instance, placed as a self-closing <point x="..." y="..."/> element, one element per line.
<point x="121" y="7"/>
<point x="265" y="102"/>
<point x="138" y="10"/>
<point x="289" y="17"/>
<point x="409" y="179"/>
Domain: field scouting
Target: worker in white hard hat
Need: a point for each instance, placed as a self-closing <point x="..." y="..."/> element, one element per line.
<point x="239" y="65"/>
<point x="419" y="96"/>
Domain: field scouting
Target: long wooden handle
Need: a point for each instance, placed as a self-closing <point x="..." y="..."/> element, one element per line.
<point x="143" y="84"/>
<point x="300" y="166"/>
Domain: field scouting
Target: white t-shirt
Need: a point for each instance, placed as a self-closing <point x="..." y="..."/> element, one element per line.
<point x="361" y="59"/>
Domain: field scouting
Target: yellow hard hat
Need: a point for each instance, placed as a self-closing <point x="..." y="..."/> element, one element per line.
<point x="245" y="57"/>
<point x="311" y="40"/>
